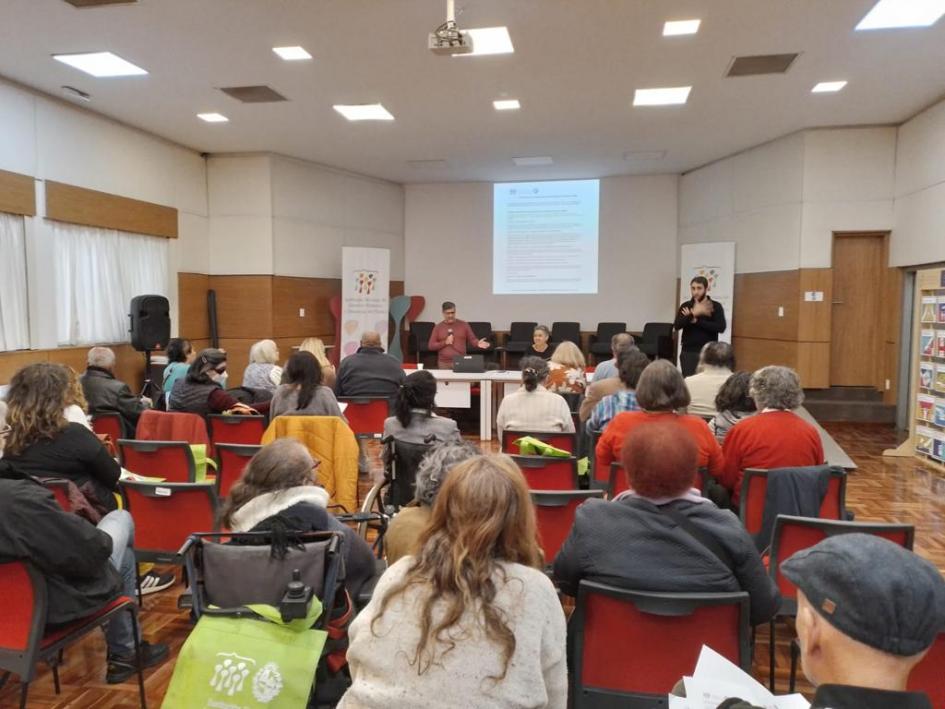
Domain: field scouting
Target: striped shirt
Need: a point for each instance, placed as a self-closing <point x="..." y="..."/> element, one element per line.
<point x="612" y="405"/>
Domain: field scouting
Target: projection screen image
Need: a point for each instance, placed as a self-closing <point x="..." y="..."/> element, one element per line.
<point x="544" y="237"/>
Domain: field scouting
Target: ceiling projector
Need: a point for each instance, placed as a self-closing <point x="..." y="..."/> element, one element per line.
<point x="448" y="38"/>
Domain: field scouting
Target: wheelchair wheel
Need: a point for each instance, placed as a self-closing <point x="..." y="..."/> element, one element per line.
<point x="373" y="502"/>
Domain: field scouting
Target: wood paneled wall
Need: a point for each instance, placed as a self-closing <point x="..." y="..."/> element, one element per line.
<point x="129" y="366"/>
<point x="801" y="337"/>
<point x="17" y="194"/>
<point x="251" y="308"/>
<point x="78" y="205"/>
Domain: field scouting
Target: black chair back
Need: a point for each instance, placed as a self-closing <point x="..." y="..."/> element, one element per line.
<point x="561" y="331"/>
<point x="520" y="336"/>
<point x="420" y="332"/>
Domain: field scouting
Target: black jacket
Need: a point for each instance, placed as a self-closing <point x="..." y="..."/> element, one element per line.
<point x="106" y="394"/>
<point x="75" y="454"/>
<point x="369" y="372"/>
<point x="703" y="330"/>
<point x="631" y="544"/>
<point x="71" y="553"/>
<point x="838" y="696"/>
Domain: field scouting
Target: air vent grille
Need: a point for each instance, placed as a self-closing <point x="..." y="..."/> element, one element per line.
<point x="761" y="64"/>
<point x="99" y="3"/>
<point x="253" y="94"/>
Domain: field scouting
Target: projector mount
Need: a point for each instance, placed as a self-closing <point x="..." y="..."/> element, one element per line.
<point x="448" y="38"/>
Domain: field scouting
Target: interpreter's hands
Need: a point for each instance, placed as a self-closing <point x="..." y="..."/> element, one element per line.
<point x="449" y="339"/>
<point x="685" y="311"/>
<point x="483" y="344"/>
<point x="703" y="308"/>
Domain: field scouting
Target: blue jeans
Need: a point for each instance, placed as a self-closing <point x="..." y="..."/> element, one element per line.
<point x="121" y="528"/>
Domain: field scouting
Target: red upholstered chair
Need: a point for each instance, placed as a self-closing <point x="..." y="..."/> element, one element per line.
<point x="24" y="640"/>
<point x="547" y="473"/>
<point x="564" y="441"/>
<point x="244" y="430"/>
<point x="611" y="627"/>
<point x="60" y="490"/>
<point x="791" y="535"/>
<point x="366" y="415"/>
<point x="928" y="677"/>
<point x="165" y="514"/>
<point x="107" y="424"/>
<point x="555" y="511"/>
<point x="172" y="461"/>
<point x="755" y="485"/>
<point x="231" y="459"/>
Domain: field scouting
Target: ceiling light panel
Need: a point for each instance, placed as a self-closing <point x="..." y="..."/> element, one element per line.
<point x="508" y="104"/>
<point x="292" y="54"/>
<point x="489" y="40"/>
<point x="536" y="161"/>
<point x="213" y="117"/>
<point x="677" y="28"/>
<point x="891" y="14"/>
<point x="828" y="87"/>
<point x="669" y="96"/>
<point x="364" y="112"/>
<point x="100" y="64"/>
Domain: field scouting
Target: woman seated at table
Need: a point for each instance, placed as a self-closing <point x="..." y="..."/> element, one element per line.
<point x="413" y="420"/>
<point x="566" y="369"/>
<point x="317" y="348"/>
<point x="533" y="407"/>
<point x="540" y="346"/>
<point x="661" y="392"/>
<point x="302" y="393"/>
<point x="662" y="535"/>
<point x="203" y="390"/>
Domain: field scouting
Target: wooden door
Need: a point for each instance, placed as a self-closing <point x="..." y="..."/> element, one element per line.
<point x="856" y="326"/>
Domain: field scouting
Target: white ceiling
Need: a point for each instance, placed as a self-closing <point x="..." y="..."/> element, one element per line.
<point x="575" y="67"/>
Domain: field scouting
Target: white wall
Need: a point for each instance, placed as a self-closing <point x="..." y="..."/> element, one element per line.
<point x="48" y="139"/>
<point x="240" y="206"/>
<point x="448" y="234"/>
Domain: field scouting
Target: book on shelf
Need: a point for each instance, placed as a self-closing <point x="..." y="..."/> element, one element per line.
<point x="940" y="378"/>
<point x="929" y="308"/>
<point x="926" y="375"/>
<point x="927" y="343"/>
<point x="941" y="309"/>
<point x="940" y="343"/>
<point x="938" y="415"/>
<point x="938" y="446"/>
<point x="924" y="439"/>
<point x="925" y="411"/>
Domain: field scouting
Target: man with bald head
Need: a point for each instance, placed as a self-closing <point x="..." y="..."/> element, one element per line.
<point x="370" y="371"/>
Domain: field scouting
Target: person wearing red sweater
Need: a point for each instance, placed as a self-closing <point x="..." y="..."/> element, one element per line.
<point x="451" y="337"/>
<point x="774" y="438"/>
<point x="660" y="391"/>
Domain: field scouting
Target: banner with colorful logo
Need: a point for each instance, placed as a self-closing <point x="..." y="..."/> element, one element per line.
<point x="365" y="296"/>
<point x="716" y="262"/>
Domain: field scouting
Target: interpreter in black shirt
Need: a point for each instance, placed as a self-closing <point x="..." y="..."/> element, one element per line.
<point x="701" y="320"/>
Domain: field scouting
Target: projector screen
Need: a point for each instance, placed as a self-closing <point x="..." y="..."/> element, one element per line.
<point x="544" y="237"/>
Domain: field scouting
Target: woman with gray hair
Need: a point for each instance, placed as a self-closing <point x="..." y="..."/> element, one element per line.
<point x="775" y="437"/>
<point x="533" y="407"/>
<point x="404" y="529"/>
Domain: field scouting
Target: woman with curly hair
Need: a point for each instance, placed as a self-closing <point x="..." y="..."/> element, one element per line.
<point x="43" y="443"/>
<point x="471" y="620"/>
<point x="733" y="404"/>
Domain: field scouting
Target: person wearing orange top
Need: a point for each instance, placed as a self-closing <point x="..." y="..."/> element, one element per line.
<point x="775" y="437"/>
<point x="660" y="392"/>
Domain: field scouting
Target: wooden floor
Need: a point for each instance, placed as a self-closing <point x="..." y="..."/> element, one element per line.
<point x="894" y="490"/>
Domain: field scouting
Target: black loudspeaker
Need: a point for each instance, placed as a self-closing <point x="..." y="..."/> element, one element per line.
<point x="150" y="322"/>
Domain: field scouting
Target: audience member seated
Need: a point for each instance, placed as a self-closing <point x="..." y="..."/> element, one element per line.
<point x="452" y="337"/>
<point x="654" y="537"/>
<point x="867" y="613"/>
<point x="203" y="390"/>
<point x="775" y="437"/>
<point x="606" y="383"/>
<point x="733" y="404"/>
<point x="540" y="346"/>
<point x="533" y="407"/>
<point x="77" y="408"/>
<point x="370" y="371"/>
<point x="263" y="372"/>
<point x="302" y="393"/>
<point x="661" y="393"/>
<point x="621" y="342"/>
<point x="180" y="353"/>
<point x="716" y="362"/>
<point x="277" y="493"/>
<point x="632" y="364"/>
<point x="106" y="395"/>
<point x="405" y="528"/>
<point x="567" y="375"/>
<point x="317" y="348"/>
<point x="414" y="420"/>
<point x="471" y="620"/>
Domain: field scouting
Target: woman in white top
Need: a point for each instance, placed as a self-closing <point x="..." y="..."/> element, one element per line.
<point x="77" y="408"/>
<point x="533" y="407"/>
<point x="471" y="620"/>
<point x="262" y="372"/>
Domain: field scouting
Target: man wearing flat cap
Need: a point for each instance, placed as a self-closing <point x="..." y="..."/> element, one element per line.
<point x="867" y="613"/>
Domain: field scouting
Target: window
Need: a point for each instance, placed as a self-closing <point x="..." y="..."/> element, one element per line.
<point x="98" y="272"/>
<point x="14" y="311"/>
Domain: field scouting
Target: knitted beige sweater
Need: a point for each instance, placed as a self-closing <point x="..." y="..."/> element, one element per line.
<point x="537" y="674"/>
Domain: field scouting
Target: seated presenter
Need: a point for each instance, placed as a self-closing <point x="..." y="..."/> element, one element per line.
<point x="451" y="337"/>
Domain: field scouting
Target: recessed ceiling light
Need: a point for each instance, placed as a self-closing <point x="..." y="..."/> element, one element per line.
<point x="508" y="104"/>
<point x="675" y="28"/>
<point x="212" y="117"/>
<point x="826" y="87"/>
<point x="489" y="40"/>
<point x="888" y="14"/>
<point x="644" y="155"/>
<point x="365" y="112"/>
<point x="100" y="64"/>
<point x="292" y="54"/>
<point x="533" y="161"/>
<point x="671" y="96"/>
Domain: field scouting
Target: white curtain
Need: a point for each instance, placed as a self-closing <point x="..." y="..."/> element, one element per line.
<point x="14" y="311"/>
<point x="98" y="272"/>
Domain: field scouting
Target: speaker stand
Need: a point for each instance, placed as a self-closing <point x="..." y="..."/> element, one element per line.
<point x="147" y="388"/>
